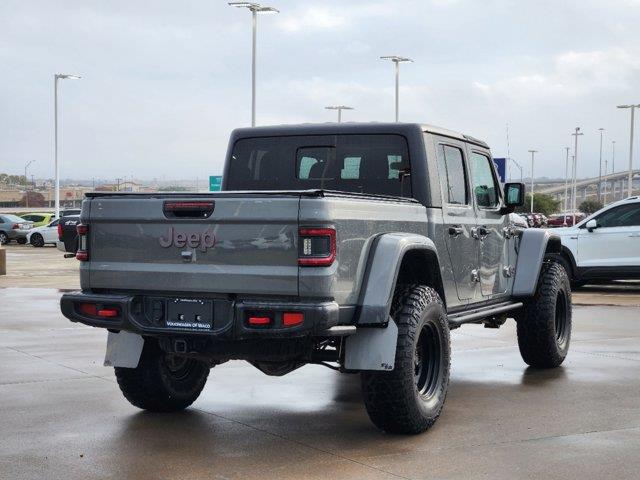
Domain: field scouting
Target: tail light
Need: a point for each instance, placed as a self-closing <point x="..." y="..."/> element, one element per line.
<point x="59" y="231"/>
<point x="316" y="247"/>
<point x="16" y="226"/>
<point x="82" y="253"/>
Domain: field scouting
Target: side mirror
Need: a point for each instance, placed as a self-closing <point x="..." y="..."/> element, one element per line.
<point x="591" y="225"/>
<point x="513" y="196"/>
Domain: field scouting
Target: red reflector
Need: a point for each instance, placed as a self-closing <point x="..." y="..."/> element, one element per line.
<point x="290" y="319"/>
<point x="82" y="229"/>
<point x="82" y="255"/>
<point x="108" y="312"/>
<point x="88" y="309"/>
<point x="259" y="320"/>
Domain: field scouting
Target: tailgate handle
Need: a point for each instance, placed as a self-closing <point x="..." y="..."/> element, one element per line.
<point x="191" y="209"/>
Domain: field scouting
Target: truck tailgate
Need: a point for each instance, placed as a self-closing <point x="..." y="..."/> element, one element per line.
<point x="247" y="245"/>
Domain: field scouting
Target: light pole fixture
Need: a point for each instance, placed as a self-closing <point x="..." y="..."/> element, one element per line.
<point x="57" y="77"/>
<point x="254" y="8"/>
<point x="576" y="134"/>
<point x="26" y="191"/>
<point x="600" y="170"/>
<point x="339" y="108"/>
<point x="566" y="186"/>
<point x="532" y="152"/>
<point x="397" y="60"/>
<point x="630" y="178"/>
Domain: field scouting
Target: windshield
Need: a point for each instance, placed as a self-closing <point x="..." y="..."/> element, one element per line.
<point x="375" y="164"/>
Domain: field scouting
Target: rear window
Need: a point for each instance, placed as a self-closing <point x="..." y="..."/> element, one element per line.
<point x="376" y="164"/>
<point x="13" y="218"/>
<point x="34" y="218"/>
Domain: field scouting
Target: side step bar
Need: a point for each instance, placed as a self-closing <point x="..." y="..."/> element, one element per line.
<point x="469" y="316"/>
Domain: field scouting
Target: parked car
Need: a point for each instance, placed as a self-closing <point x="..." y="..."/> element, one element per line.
<point x="67" y="212"/>
<point x="39" y="219"/>
<point x="44" y="235"/>
<point x="604" y="246"/>
<point x="67" y="234"/>
<point x="354" y="246"/>
<point x="15" y="228"/>
<point x="564" y="219"/>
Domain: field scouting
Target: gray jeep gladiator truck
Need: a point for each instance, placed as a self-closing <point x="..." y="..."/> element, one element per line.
<point x="354" y="246"/>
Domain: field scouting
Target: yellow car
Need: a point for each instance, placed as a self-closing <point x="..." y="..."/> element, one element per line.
<point x="39" y="219"/>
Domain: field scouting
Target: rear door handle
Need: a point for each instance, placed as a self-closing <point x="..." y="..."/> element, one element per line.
<point x="635" y="235"/>
<point x="455" y="230"/>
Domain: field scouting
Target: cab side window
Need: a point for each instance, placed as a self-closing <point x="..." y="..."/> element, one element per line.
<point x="485" y="187"/>
<point x="622" y="216"/>
<point x="453" y="175"/>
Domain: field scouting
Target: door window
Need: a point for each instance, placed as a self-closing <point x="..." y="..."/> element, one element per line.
<point x="622" y="216"/>
<point x="485" y="187"/>
<point x="453" y="176"/>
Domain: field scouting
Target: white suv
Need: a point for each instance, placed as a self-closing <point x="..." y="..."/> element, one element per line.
<point x="603" y="246"/>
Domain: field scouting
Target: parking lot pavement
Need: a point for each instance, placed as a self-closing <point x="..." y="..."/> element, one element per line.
<point x="62" y="415"/>
<point x="43" y="267"/>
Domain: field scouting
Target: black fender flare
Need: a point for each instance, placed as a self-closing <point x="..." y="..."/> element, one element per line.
<point x="383" y="267"/>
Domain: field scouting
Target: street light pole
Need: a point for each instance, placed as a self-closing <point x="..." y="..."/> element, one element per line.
<point x="339" y="108"/>
<point x="56" y="78"/>
<point x="575" y="168"/>
<point x="397" y="60"/>
<point x="532" y="152"/>
<point x="566" y="186"/>
<point x="630" y="178"/>
<point x="613" y="156"/>
<point x="600" y="171"/>
<point x="26" y="191"/>
<point x="604" y="195"/>
<point x="613" y="169"/>
<point x="254" y="8"/>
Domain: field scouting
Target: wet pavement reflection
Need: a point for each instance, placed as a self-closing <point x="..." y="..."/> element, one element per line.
<point x="62" y="415"/>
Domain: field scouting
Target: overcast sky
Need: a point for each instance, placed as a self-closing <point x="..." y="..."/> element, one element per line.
<point x="165" y="82"/>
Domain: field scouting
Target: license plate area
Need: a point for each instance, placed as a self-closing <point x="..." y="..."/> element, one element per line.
<point x="189" y="314"/>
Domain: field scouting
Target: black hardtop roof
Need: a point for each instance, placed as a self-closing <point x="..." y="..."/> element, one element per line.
<point x="350" y="128"/>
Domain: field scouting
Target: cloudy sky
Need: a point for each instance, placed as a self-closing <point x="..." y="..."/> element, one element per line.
<point x="165" y="82"/>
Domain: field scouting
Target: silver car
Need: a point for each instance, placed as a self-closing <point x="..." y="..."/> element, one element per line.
<point x="15" y="228"/>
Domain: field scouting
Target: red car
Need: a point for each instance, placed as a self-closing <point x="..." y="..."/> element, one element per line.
<point x="558" y="220"/>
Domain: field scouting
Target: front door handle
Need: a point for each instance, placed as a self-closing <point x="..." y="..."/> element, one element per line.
<point x="483" y="231"/>
<point x="455" y="230"/>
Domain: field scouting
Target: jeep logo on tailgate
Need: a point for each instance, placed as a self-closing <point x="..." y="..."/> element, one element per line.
<point x="202" y="240"/>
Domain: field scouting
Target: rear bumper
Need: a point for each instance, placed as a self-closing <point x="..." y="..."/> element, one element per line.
<point x="15" y="234"/>
<point x="147" y="315"/>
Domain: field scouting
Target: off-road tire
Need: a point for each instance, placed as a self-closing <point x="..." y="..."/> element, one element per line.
<point x="37" y="240"/>
<point x="4" y="238"/>
<point x="393" y="399"/>
<point x="544" y="323"/>
<point x="153" y="385"/>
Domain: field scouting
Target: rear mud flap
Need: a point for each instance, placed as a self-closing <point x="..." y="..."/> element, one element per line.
<point x="372" y="348"/>
<point x="123" y="350"/>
